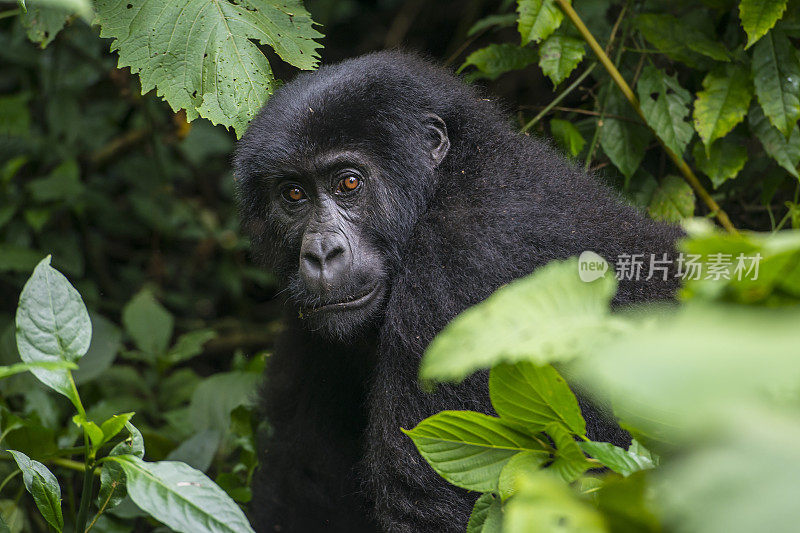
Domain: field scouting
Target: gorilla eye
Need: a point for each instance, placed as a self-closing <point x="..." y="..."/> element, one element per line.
<point x="293" y="194"/>
<point x="348" y="184"/>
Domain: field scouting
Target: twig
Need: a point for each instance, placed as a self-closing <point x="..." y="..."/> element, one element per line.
<point x="683" y="168"/>
<point x="558" y="98"/>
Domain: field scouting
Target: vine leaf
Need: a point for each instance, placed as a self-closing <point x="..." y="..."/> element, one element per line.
<point x="759" y="16"/>
<point x="202" y="55"/>
<point x="776" y="76"/>
<point x="559" y="55"/>
<point x="665" y="105"/>
<point x="723" y="102"/>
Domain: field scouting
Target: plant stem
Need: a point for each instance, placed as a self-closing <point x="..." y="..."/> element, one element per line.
<point x="102" y="508"/>
<point x="8" y="478"/>
<point x="10" y="13"/>
<point x="86" y="497"/>
<point x="558" y="98"/>
<point x="684" y="169"/>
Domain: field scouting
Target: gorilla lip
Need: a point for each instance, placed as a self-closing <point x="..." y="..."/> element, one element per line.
<point x="351" y="303"/>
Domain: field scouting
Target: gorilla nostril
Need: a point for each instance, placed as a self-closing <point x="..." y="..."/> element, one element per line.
<point x="312" y="260"/>
<point x="333" y="254"/>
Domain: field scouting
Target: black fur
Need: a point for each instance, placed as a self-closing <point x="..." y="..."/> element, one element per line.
<point x="498" y="206"/>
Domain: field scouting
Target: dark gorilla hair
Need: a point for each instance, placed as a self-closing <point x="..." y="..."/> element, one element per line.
<point x="452" y="202"/>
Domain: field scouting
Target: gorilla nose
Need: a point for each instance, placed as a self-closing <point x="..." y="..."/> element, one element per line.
<point x="324" y="260"/>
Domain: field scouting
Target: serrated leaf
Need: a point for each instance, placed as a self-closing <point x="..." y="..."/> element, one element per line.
<point x="469" y="449"/>
<point x="202" y="55"/>
<point x="486" y="515"/>
<point x="181" y="497"/>
<point x="690" y="46"/>
<point x="776" y="77"/>
<point x="624" y="462"/>
<point x="567" y="136"/>
<point x="537" y="19"/>
<point x="43" y="486"/>
<point x="541" y="318"/>
<point x="623" y="141"/>
<point x="533" y="397"/>
<point x="45" y="18"/>
<point x="723" y="102"/>
<point x="148" y="323"/>
<point x="496" y="59"/>
<point x="723" y="161"/>
<point x="52" y="325"/>
<point x="786" y="152"/>
<point x="759" y="16"/>
<point x="569" y="461"/>
<point x="672" y="201"/>
<point x="559" y="55"/>
<point x="665" y="105"/>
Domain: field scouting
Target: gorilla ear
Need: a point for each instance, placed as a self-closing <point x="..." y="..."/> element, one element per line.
<point x="437" y="134"/>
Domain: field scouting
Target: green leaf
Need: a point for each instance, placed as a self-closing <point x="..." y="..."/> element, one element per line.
<point x="758" y="16"/>
<point x="43" y="486"/>
<point x="690" y="46"/>
<point x="567" y="136"/>
<point x="665" y="105"/>
<point x="106" y="342"/>
<point x="203" y="55"/>
<point x="218" y="395"/>
<point x="776" y="77"/>
<point x="497" y="59"/>
<point x="569" y="462"/>
<point x="470" y="449"/>
<point x="17" y="258"/>
<point x="723" y="103"/>
<point x="114" y="425"/>
<point x="189" y="345"/>
<point x="501" y="21"/>
<point x="113" y="486"/>
<point x="52" y="325"/>
<point x="559" y="55"/>
<point x="487" y="515"/>
<point x="148" y="323"/>
<point x="723" y="161"/>
<point x="537" y="19"/>
<point x="92" y="430"/>
<point x="672" y="201"/>
<point x="619" y="460"/>
<point x="786" y="152"/>
<point x="181" y="497"/>
<point x="522" y="464"/>
<point x="623" y="141"/>
<point x="63" y="184"/>
<point x="18" y="368"/>
<point x="534" y="396"/>
<point x="15" y="121"/>
<point x="543" y="317"/>
<point x="45" y="18"/>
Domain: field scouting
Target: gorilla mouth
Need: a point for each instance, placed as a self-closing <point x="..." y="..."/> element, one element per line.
<point x="354" y="302"/>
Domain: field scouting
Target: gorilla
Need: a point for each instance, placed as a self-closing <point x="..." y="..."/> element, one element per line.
<point x="388" y="196"/>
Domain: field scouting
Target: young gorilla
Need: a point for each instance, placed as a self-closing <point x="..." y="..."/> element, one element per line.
<point x="388" y="196"/>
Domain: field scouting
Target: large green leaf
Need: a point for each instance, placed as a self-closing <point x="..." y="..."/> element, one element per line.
<point x="202" y="55"/>
<point x="218" y="395"/>
<point x="569" y="461"/>
<point x="624" y="462"/>
<point x="43" y="486"/>
<point x="786" y="152"/>
<point x="181" y="497"/>
<point x="690" y="45"/>
<point x="776" y="77"/>
<point x="148" y="323"/>
<point x="470" y="449"/>
<point x="672" y="201"/>
<point x="722" y="161"/>
<point x="52" y="325"/>
<point x="487" y="515"/>
<point x="534" y="396"/>
<point x="537" y="19"/>
<point x="546" y="316"/>
<point x="665" y="105"/>
<point x="559" y="55"/>
<point x="113" y="486"/>
<point x="758" y="16"/>
<point x="723" y="102"/>
<point x="496" y="59"/>
<point x="623" y="141"/>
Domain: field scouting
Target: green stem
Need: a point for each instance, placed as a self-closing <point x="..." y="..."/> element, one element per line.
<point x="8" y="478"/>
<point x="10" y="13"/>
<point x="558" y="98"/>
<point x="86" y="496"/>
<point x="102" y="508"/>
<point x="681" y="165"/>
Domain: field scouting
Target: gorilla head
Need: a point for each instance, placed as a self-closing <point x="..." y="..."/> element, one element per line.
<point x="331" y="187"/>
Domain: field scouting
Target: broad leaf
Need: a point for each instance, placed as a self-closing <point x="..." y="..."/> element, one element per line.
<point x="559" y="55"/>
<point x="567" y="136"/>
<point x="497" y="59"/>
<point x="723" y="160"/>
<point x="624" y="462"/>
<point x="218" y="395"/>
<point x="181" y="497"/>
<point x="786" y="152"/>
<point x="106" y="342"/>
<point x="470" y="449"/>
<point x="487" y="515"/>
<point x="759" y="16"/>
<point x="148" y="323"/>
<point x="113" y="487"/>
<point x="52" y="325"/>
<point x="546" y="316"/>
<point x="202" y="55"/>
<point x="43" y="486"/>
<point x="534" y="396"/>
<point x="690" y="46"/>
<point x="672" y="201"/>
<point x="189" y="345"/>
<point x="623" y="141"/>
<point x="776" y="77"/>
<point x="665" y="105"/>
<point x="569" y="461"/>
<point x="537" y="19"/>
<point x="522" y="464"/>
<point x="723" y="102"/>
